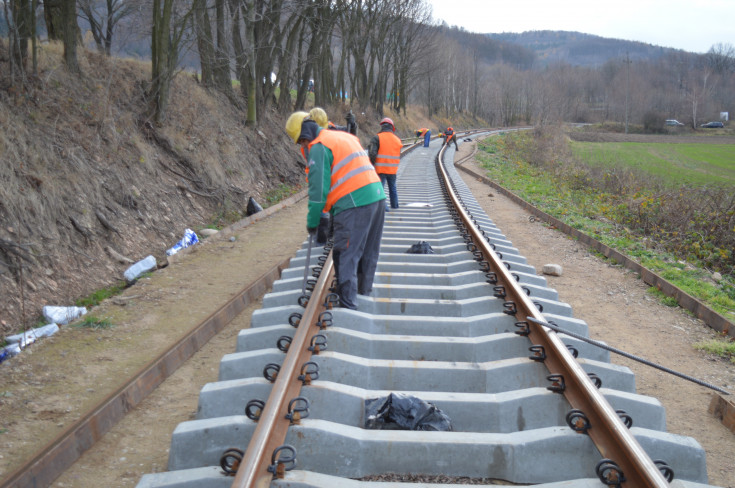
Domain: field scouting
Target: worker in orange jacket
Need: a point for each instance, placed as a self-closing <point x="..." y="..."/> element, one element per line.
<point x="318" y="115"/>
<point x="426" y="134"/>
<point x="344" y="183"/>
<point x="384" y="151"/>
<point x="450" y="136"/>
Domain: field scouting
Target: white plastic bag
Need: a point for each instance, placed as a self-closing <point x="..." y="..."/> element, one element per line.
<point x="142" y="266"/>
<point x="62" y="315"/>
<point x="32" y="335"/>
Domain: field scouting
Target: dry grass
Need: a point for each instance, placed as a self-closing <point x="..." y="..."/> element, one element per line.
<point x="82" y="181"/>
<point x="72" y="149"/>
<point x="696" y="223"/>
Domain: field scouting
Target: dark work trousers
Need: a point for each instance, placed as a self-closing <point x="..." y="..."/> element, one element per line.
<point x="391" y="179"/>
<point x="357" y="234"/>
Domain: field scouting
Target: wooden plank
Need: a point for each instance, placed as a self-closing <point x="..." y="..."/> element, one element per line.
<point x="724" y="410"/>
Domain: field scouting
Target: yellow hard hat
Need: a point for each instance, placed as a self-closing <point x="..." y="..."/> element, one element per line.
<point x="319" y="116"/>
<point x="293" y="125"/>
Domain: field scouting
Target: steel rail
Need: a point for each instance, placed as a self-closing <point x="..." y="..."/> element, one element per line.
<point x="62" y="451"/>
<point x="606" y="430"/>
<point x="270" y="433"/>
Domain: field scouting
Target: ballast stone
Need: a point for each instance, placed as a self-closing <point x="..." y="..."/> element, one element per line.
<point x="552" y="269"/>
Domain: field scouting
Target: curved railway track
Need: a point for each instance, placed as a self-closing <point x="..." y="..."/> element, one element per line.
<point x="460" y="329"/>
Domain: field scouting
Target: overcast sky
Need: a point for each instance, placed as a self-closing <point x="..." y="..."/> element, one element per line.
<point x="692" y="25"/>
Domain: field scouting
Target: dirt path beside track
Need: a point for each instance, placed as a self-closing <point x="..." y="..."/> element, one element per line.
<point x="51" y="384"/>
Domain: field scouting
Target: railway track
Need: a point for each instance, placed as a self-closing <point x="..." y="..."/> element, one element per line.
<point x="460" y="330"/>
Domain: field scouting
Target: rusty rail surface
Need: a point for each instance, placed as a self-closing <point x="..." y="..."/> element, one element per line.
<point x="66" y="448"/>
<point x="607" y="431"/>
<point x="61" y="452"/>
<point x="270" y="433"/>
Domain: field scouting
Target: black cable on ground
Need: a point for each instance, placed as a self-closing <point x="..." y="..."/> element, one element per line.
<point x="627" y="355"/>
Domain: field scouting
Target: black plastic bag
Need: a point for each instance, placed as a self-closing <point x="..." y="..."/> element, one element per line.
<point x="253" y="207"/>
<point x="404" y="412"/>
<point x="421" y="247"/>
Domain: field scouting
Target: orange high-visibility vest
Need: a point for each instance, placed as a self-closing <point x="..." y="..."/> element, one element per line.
<point x="351" y="168"/>
<point x="389" y="153"/>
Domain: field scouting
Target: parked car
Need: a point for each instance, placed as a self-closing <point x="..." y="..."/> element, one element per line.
<point x="713" y="125"/>
<point x="674" y="122"/>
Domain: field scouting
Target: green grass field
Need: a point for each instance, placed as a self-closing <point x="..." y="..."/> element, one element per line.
<point x="693" y="164"/>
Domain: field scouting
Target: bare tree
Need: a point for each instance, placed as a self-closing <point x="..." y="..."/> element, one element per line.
<point x="699" y="91"/>
<point x="721" y="58"/>
<point x="169" y="27"/>
<point x="103" y="18"/>
<point x="71" y="34"/>
<point x="205" y="42"/>
<point x="53" y="15"/>
<point x="20" y="23"/>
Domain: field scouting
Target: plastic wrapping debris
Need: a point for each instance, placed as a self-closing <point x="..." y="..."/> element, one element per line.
<point x="142" y="266"/>
<point x="190" y="238"/>
<point x="404" y="412"/>
<point x="418" y="205"/>
<point x="421" y="247"/>
<point x="32" y="335"/>
<point x="9" y="351"/>
<point x="252" y="207"/>
<point x="62" y="315"/>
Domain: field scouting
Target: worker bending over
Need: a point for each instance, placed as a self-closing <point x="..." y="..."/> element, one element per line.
<point x="344" y="183"/>
<point x="449" y="137"/>
<point x="426" y="134"/>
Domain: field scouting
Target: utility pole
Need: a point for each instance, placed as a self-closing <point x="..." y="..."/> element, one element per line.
<point x="627" y="88"/>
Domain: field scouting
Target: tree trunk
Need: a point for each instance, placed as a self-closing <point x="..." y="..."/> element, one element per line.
<point x="20" y="32"/>
<point x="204" y="42"/>
<point x="222" y="77"/>
<point x="70" y="34"/>
<point x="252" y="118"/>
<point x="53" y="14"/>
<point x="160" y="52"/>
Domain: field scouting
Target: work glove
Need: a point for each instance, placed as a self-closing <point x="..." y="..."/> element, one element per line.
<point x="311" y="230"/>
<point x="322" y="233"/>
<point x="350" y="117"/>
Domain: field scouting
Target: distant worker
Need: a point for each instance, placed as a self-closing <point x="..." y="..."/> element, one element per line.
<point x="351" y="126"/>
<point x="449" y="137"/>
<point x="344" y="183"/>
<point x="384" y="151"/>
<point x="318" y="115"/>
<point x="426" y="134"/>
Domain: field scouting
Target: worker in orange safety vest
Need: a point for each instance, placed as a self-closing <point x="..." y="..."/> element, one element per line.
<point x="344" y="183"/>
<point x="449" y="137"/>
<point x="384" y="151"/>
<point x="318" y="115"/>
<point x="426" y="134"/>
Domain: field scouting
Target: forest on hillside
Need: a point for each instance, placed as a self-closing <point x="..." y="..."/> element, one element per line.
<point x="378" y="53"/>
<point x="102" y="159"/>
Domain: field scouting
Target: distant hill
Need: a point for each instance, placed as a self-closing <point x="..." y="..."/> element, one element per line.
<point x="580" y="49"/>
